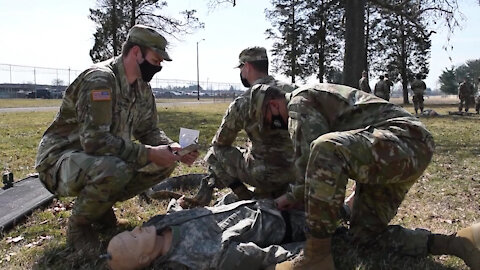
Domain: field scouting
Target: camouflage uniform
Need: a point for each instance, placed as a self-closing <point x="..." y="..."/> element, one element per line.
<point x="466" y="95"/>
<point x="339" y="133"/>
<point x="363" y="85"/>
<point x="477" y="97"/>
<point x="418" y="89"/>
<point x="241" y="235"/>
<point x="88" y="150"/>
<point x="388" y="88"/>
<point x="267" y="163"/>
<point x="380" y="90"/>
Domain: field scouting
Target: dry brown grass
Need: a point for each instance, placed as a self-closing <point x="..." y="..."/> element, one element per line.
<point x="444" y="199"/>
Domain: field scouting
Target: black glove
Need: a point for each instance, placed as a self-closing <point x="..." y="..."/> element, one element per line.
<point x="204" y="194"/>
<point x="242" y="192"/>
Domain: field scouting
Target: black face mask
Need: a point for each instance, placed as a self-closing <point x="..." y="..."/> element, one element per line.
<point x="278" y="122"/>
<point x="244" y="81"/>
<point x="148" y="70"/>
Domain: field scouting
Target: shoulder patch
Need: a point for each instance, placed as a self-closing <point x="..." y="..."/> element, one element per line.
<point x="101" y="95"/>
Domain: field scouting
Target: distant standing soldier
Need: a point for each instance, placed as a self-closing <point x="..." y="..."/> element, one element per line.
<point x="477" y="97"/>
<point x="380" y="88"/>
<point x="465" y="94"/>
<point x="418" y="89"/>
<point x="363" y="83"/>
<point x="388" y="87"/>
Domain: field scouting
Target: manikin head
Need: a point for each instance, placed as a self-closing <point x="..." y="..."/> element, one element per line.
<point x="134" y="249"/>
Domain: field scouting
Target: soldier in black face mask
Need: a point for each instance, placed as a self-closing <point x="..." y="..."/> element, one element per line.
<point x="152" y="47"/>
<point x="267" y="164"/>
<point x="105" y="105"/>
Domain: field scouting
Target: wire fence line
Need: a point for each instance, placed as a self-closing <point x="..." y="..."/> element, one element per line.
<point x="17" y="80"/>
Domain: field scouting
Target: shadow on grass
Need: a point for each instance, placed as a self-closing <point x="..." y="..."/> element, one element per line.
<point x="348" y="257"/>
<point x="63" y="257"/>
<point x="58" y="255"/>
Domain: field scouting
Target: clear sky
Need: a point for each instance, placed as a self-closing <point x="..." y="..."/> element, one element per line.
<point x="58" y="34"/>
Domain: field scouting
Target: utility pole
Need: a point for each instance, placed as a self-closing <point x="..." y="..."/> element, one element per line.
<point x="198" y="73"/>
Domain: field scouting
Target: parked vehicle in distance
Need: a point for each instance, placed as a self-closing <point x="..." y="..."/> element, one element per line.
<point x="40" y="93"/>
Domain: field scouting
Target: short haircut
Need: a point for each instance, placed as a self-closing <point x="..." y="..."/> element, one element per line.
<point x="127" y="46"/>
<point x="261" y="65"/>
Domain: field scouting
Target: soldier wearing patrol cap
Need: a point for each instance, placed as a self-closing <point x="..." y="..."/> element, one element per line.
<point x="465" y="94"/>
<point x="342" y="133"/>
<point x="88" y="151"/>
<point x="418" y="88"/>
<point x="267" y="162"/>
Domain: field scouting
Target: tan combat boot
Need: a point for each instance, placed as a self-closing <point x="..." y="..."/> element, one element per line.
<point x="80" y="233"/>
<point x="465" y="244"/>
<point x="316" y="255"/>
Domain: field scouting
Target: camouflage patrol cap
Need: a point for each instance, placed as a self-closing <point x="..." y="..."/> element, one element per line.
<point x="148" y="37"/>
<point x="251" y="54"/>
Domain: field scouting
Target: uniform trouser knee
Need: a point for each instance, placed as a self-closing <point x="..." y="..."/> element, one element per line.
<point x="325" y="183"/>
<point x="104" y="184"/>
<point x="227" y="164"/>
<point x="96" y="181"/>
<point x="141" y="182"/>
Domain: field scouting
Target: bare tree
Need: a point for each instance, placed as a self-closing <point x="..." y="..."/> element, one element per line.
<point x="115" y="17"/>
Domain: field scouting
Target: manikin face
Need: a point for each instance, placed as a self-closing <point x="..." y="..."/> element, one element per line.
<point x="133" y="249"/>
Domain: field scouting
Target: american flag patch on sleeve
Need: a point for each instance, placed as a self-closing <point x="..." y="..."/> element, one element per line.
<point x="101" y="95"/>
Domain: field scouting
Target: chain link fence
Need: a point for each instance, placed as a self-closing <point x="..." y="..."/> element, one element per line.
<point x="18" y="81"/>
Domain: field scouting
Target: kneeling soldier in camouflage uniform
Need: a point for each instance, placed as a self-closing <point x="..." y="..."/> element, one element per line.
<point x="339" y="133"/>
<point x="88" y="152"/>
<point x="242" y="235"/>
<point x="267" y="163"/>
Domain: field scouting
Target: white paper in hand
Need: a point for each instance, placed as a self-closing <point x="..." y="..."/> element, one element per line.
<point x="188" y="136"/>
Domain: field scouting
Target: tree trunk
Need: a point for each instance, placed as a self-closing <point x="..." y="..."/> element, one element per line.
<point x="355" y="57"/>
<point x="133" y="16"/>
<point x="293" y="60"/>
<point x="403" y="64"/>
<point x="367" y="37"/>
<point x="115" y="45"/>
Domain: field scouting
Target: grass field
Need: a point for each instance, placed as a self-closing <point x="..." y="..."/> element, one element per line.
<point x="443" y="200"/>
<point x="26" y="102"/>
